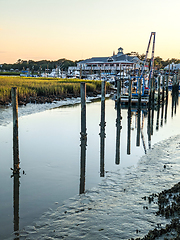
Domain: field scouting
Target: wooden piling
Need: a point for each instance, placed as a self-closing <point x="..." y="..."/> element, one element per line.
<point x="139" y="92"/>
<point x="83" y="138"/>
<point x="83" y="109"/>
<point x="103" y="91"/>
<point x="129" y="131"/>
<point x="102" y="129"/>
<point x="163" y="78"/>
<point x="118" y="122"/>
<point x="15" y="128"/>
<point x="167" y="82"/>
<point x="159" y="89"/>
<point x="130" y="92"/>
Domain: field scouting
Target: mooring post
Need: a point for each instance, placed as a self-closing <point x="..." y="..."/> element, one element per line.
<point x="138" y="113"/>
<point x="118" y="122"/>
<point x="163" y="88"/>
<point x="159" y="88"/>
<point x="139" y="92"/>
<point x="167" y="82"/>
<point x="102" y="128"/>
<point x="130" y="91"/>
<point x="83" y="109"/>
<point x="15" y="129"/>
<point x="153" y="91"/>
<point x="103" y="91"/>
<point x="83" y="138"/>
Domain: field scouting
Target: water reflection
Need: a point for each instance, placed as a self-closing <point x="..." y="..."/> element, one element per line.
<point x="157" y="122"/>
<point x="142" y="134"/>
<point x="138" y="126"/>
<point x="83" y="164"/>
<point x="16" y="185"/>
<point x="102" y="148"/>
<point x="162" y="113"/>
<point x="129" y="130"/>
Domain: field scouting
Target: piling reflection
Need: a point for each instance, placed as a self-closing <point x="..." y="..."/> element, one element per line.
<point x="138" y="126"/>
<point x="142" y="134"/>
<point x="102" y="148"/>
<point x="166" y="108"/>
<point x="157" y="121"/>
<point x="83" y="164"/>
<point x="162" y="113"/>
<point x="16" y="185"/>
<point x="129" y="130"/>
<point x="149" y="127"/>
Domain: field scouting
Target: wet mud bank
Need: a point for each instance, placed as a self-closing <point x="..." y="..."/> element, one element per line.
<point x="50" y="98"/>
<point x="132" y="203"/>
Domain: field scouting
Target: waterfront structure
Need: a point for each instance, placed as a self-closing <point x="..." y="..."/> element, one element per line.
<point x="108" y="65"/>
<point x="172" y="66"/>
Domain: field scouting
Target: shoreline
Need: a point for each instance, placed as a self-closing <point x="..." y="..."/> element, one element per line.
<point x="123" y="206"/>
<point x="32" y="108"/>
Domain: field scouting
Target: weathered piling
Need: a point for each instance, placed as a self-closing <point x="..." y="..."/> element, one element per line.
<point x="15" y="129"/>
<point x="153" y="91"/>
<point x="118" y="122"/>
<point x="83" y="138"/>
<point x="163" y="80"/>
<point x="150" y="94"/>
<point x="83" y="109"/>
<point x="139" y="93"/>
<point x="102" y="129"/>
<point x="159" y="89"/>
<point x="167" y="82"/>
<point x="129" y="118"/>
<point x="130" y="92"/>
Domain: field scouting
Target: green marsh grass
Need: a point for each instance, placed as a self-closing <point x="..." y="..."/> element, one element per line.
<point x="43" y="86"/>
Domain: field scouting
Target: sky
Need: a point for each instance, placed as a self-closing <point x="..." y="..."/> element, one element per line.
<point x="80" y="29"/>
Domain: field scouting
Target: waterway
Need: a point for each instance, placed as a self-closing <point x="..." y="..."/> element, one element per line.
<point x="48" y="201"/>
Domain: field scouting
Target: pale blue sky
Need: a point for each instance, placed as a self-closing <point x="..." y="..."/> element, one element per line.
<point x="78" y="29"/>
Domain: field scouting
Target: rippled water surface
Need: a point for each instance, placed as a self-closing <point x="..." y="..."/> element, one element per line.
<point x="112" y="206"/>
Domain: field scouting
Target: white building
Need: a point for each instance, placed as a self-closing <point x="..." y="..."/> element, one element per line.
<point x="113" y="65"/>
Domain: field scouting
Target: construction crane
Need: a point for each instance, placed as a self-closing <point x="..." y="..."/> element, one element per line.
<point x="151" y="67"/>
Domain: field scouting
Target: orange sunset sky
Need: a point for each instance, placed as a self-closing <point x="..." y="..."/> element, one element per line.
<point x="80" y="29"/>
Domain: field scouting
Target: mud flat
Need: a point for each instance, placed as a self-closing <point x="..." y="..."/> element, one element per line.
<point x="125" y="205"/>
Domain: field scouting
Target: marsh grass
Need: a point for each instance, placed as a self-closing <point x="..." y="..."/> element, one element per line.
<point x="34" y="87"/>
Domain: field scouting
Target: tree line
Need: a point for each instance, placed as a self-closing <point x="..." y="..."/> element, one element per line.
<point x="63" y="64"/>
<point x="159" y="63"/>
<point x="38" y="66"/>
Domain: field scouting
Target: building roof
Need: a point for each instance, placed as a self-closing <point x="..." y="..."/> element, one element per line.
<point x="115" y="58"/>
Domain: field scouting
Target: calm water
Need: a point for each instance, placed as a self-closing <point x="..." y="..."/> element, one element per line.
<point x="50" y="155"/>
